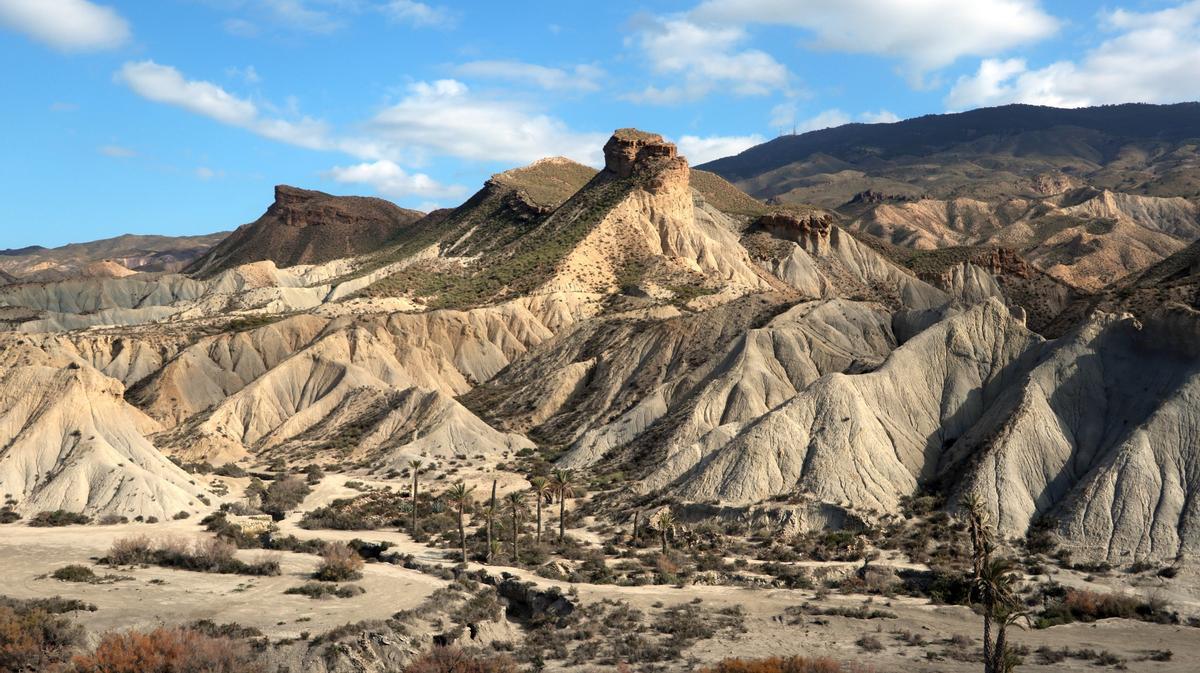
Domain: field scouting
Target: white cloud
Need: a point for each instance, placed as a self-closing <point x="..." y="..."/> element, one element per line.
<point x="418" y="13"/>
<point x="248" y="74"/>
<point x="240" y="27"/>
<point x="699" y="150"/>
<point x="581" y="77"/>
<point x="1152" y="57"/>
<point x="444" y="117"/>
<point x="61" y="106"/>
<point x="206" y="173"/>
<point x="296" y="14"/>
<point x="69" y="25"/>
<point x="880" y="117"/>
<point x="706" y="58"/>
<point x="824" y="120"/>
<point x="164" y="84"/>
<point x="783" y="115"/>
<point x="924" y="34"/>
<point x="389" y="179"/>
<point x="116" y="151"/>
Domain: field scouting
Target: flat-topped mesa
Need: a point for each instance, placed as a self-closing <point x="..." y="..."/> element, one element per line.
<point x="308" y="208"/>
<point x="303" y="226"/>
<point x="632" y="152"/>
<point x="290" y="194"/>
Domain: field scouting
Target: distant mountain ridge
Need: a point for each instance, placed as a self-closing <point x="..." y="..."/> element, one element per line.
<point x="105" y="257"/>
<point x="1000" y="151"/>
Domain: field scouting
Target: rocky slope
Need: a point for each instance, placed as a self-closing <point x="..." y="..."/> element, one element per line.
<point x="1085" y="237"/>
<point x="112" y="257"/>
<point x="650" y="320"/>
<point x="308" y="227"/>
<point x="70" y="441"/>
<point x="1007" y="151"/>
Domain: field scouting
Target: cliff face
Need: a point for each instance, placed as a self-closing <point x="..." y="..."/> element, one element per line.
<point x="308" y="227"/>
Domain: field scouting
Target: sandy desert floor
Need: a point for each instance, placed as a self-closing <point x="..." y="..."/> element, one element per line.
<point x="154" y="596"/>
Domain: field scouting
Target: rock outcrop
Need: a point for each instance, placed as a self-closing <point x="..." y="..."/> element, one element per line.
<point x="308" y="227"/>
<point x="69" y="441"/>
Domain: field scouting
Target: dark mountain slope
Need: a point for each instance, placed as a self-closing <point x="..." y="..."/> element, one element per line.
<point x="987" y="152"/>
<point x="308" y="227"/>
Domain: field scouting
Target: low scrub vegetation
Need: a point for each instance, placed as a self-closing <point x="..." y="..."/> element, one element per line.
<point x="776" y="665"/>
<point x="211" y="555"/>
<point x="34" y="636"/>
<point x="457" y="660"/>
<point x="84" y="575"/>
<point x="167" y="650"/>
<point x="795" y="612"/>
<point x="339" y="563"/>
<point x="318" y="590"/>
<point x="59" y="517"/>
<point x="376" y="509"/>
<point x="282" y="496"/>
<point x="1080" y="605"/>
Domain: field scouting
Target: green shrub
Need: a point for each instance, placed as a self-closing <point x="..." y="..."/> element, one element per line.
<point x="318" y="590"/>
<point x="74" y="573"/>
<point x="456" y="660"/>
<point x="1080" y="605"/>
<point x="230" y="470"/>
<point x="58" y="517"/>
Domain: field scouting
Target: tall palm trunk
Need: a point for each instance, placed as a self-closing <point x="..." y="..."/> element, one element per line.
<point x="462" y="532"/>
<point x="538" y="536"/>
<point x="1001" y="647"/>
<point x="562" y="521"/>
<point x="516" y="539"/>
<point x="987" y="639"/>
<point x="413" y="530"/>
<point x="491" y="513"/>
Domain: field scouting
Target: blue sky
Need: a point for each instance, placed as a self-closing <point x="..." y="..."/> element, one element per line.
<point x="179" y="116"/>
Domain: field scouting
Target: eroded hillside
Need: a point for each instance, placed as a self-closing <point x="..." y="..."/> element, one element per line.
<point x="650" y="321"/>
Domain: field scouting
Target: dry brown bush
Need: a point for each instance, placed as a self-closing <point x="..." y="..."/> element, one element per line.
<point x="339" y="563"/>
<point x="776" y="665"/>
<point x="167" y="651"/>
<point x="130" y="550"/>
<point x="455" y="660"/>
<point x="33" y="639"/>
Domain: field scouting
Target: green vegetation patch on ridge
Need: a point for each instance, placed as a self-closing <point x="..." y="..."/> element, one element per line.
<point x="518" y="267"/>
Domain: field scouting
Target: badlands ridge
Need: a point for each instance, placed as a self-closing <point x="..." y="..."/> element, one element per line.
<point x="781" y="362"/>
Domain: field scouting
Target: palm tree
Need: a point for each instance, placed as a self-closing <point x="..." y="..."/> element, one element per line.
<point x="460" y="495"/>
<point x="993" y="582"/>
<point x="564" y="486"/>
<point x="540" y="488"/>
<point x="996" y="587"/>
<point x="979" y="525"/>
<point x="491" y="512"/>
<point x="1003" y="659"/>
<point x="516" y="504"/>
<point x="416" y="470"/>
<point x="666" y="522"/>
